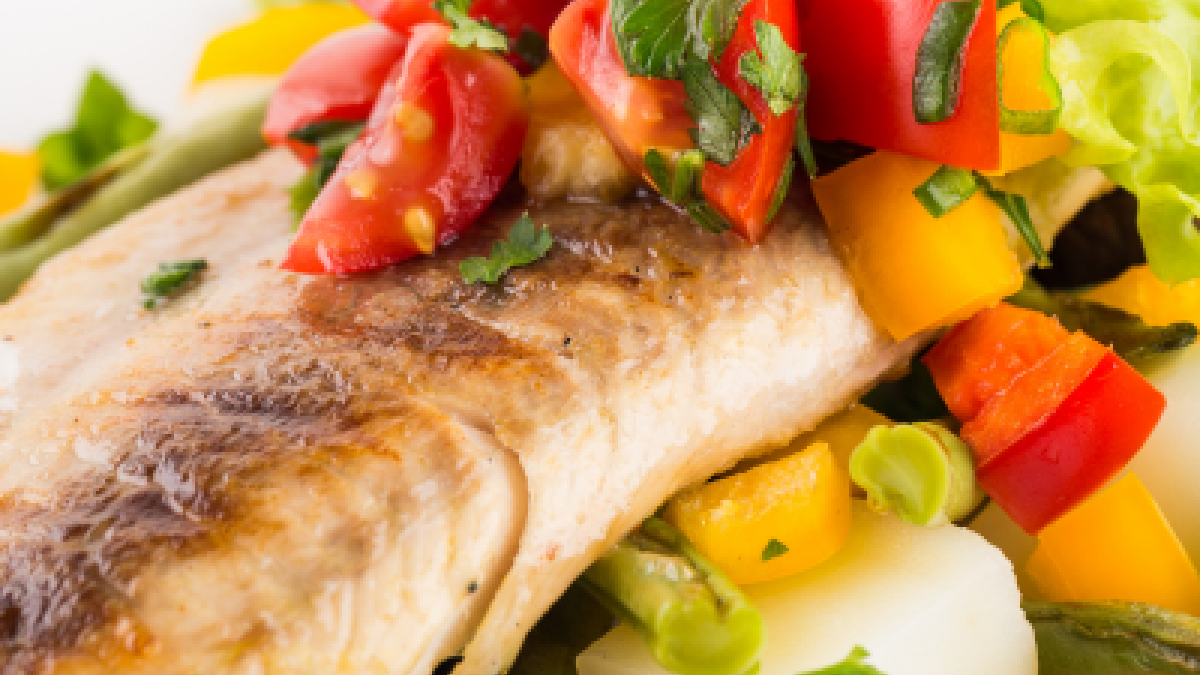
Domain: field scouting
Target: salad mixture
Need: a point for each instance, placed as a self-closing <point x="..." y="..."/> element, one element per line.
<point x="946" y="142"/>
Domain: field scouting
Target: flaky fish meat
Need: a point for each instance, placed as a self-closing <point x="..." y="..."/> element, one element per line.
<point x="288" y="474"/>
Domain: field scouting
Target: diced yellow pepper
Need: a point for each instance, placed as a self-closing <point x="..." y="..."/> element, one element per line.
<point x="1115" y="546"/>
<point x="18" y="179"/>
<point x="801" y="502"/>
<point x="914" y="272"/>
<point x="1139" y="292"/>
<point x="1023" y="62"/>
<point x="270" y="43"/>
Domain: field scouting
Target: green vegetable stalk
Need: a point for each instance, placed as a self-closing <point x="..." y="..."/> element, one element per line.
<point x="172" y="161"/>
<point x="1113" y="638"/>
<point x="921" y="472"/>
<point x="694" y="619"/>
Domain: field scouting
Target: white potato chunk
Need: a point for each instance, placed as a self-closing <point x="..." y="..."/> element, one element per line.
<point x="1169" y="463"/>
<point x="922" y="601"/>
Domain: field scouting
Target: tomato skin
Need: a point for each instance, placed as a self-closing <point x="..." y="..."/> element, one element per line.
<point x="744" y="190"/>
<point x="471" y="116"/>
<point x="511" y="16"/>
<point x="339" y="78"/>
<point x="861" y="58"/>
<point x="1077" y="448"/>
<point x="640" y="113"/>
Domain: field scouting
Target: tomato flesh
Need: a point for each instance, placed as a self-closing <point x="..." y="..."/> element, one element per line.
<point x="443" y="138"/>
<point x="1077" y="448"/>
<point x="861" y="59"/>
<point x="339" y="78"/>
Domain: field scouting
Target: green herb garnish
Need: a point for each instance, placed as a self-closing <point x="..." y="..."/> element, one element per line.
<point x="937" y="82"/>
<point x="773" y="549"/>
<point x="656" y="38"/>
<point x="1013" y="205"/>
<point x="854" y="664"/>
<point x="468" y="31"/>
<point x="525" y="244"/>
<point x="169" y="279"/>
<point x="105" y="123"/>
<point x="946" y="190"/>
<point x="331" y="137"/>
<point x="723" y="123"/>
<point x="680" y="184"/>
<point x="775" y="69"/>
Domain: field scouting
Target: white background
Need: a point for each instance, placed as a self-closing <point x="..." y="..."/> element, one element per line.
<point x="148" y="47"/>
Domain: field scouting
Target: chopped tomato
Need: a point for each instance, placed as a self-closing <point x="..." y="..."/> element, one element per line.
<point x="512" y="16"/>
<point x="640" y="113"/>
<point x="339" y="78"/>
<point x="861" y="60"/>
<point x="1074" y="451"/>
<point x="443" y="138"/>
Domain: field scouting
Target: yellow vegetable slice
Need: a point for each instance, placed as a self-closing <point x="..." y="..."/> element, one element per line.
<point x="771" y="521"/>
<point x="1116" y="546"/>
<point x="270" y="43"/>
<point x="1139" y="292"/>
<point x="18" y="179"/>
<point x="914" y="272"/>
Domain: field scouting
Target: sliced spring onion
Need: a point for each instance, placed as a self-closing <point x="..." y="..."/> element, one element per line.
<point x="680" y="185"/>
<point x="781" y="189"/>
<point x="686" y="185"/>
<point x="660" y="172"/>
<point x="803" y="142"/>
<point x="1015" y="208"/>
<point x="707" y="217"/>
<point x="945" y="190"/>
<point x="937" y="83"/>
<point x="1043" y="121"/>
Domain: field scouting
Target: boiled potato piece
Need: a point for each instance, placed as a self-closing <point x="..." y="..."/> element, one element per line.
<point x="921" y="600"/>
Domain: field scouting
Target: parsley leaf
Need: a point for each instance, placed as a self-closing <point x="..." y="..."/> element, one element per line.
<point x="525" y="244"/>
<point x="854" y="664"/>
<point x="170" y="278"/>
<point x="331" y="137"/>
<point x="470" y="32"/>
<point x="105" y="123"/>
<point x="656" y="38"/>
<point x="774" y="549"/>
<point x="777" y="72"/>
<point x="723" y="124"/>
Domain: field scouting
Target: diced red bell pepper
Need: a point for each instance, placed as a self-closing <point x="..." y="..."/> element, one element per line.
<point x="1077" y="448"/>
<point x="442" y="140"/>
<point x="861" y="60"/>
<point x="979" y="358"/>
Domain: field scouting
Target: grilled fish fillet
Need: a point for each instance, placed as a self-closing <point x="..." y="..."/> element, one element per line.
<point x="284" y="474"/>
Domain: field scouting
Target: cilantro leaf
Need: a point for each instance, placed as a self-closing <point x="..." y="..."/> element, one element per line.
<point x="777" y="72"/>
<point x="468" y="31"/>
<point x="525" y="245"/>
<point x="105" y="123"/>
<point x="723" y="124"/>
<point x="774" y="549"/>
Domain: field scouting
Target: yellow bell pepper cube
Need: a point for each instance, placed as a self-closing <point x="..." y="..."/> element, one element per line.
<point x="914" y="272"/>
<point x="271" y="42"/>
<point x="1022" y="65"/>
<point x="770" y="521"/>
<point x="1115" y="546"/>
<point x="1139" y="292"/>
<point x="18" y="178"/>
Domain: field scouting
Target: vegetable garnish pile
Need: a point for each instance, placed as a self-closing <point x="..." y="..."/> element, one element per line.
<point x="1027" y="406"/>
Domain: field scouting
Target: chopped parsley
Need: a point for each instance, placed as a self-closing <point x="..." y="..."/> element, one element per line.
<point x="656" y="38"/>
<point x="723" y="123"/>
<point x="854" y="664"/>
<point x="468" y="31"/>
<point x="169" y="279"/>
<point x="774" y="549"/>
<point x="776" y="73"/>
<point x="525" y="244"/>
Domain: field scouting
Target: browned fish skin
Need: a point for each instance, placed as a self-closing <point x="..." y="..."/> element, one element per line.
<point x="321" y="475"/>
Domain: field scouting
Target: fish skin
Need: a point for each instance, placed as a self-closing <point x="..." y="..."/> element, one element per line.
<point x="314" y="481"/>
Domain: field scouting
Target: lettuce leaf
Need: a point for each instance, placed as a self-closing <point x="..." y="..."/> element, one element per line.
<point x="1130" y="74"/>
